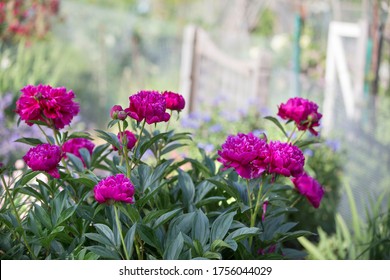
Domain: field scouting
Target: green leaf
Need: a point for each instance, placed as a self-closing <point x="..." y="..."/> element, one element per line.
<point x="221" y="225"/>
<point x="99" y="238"/>
<point x="129" y="239"/>
<point x="84" y="153"/>
<point x="42" y="216"/>
<point x="147" y="144"/>
<point x="27" y="178"/>
<point x="242" y="233"/>
<point x="212" y="255"/>
<point x="148" y="235"/>
<point x="187" y="187"/>
<point x="165" y="217"/>
<point x="212" y="199"/>
<point x="77" y="163"/>
<point x="233" y="192"/>
<point x="104" y="252"/>
<point x="65" y="215"/>
<point x="200" y="227"/>
<point x="303" y="143"/>
<point x="277" y="123"/>
<point x="174" y="249"/>
<point x="57" y="230"/>
<point x="109" y="137"/>
<point x="171" y="147"/>
<point x="220" y="244"/>
<point x="80" y="134"/>
<point x="105" y="231"/>
<point x="29" y="141"/>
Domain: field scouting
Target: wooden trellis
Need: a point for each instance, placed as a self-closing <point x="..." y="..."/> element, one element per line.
<point x="208" y="72"/>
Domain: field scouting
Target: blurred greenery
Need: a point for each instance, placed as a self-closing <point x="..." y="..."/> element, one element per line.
<point x="361" y="240"/>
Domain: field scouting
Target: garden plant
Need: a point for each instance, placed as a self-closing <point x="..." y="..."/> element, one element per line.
<point x="80" y="200"/>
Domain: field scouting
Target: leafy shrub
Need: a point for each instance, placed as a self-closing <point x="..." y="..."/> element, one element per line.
<point x="111" y="201"/>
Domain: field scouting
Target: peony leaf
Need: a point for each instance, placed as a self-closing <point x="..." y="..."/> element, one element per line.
<point x="221" y="226"/>
<point x="29" y="141"/>
<point x="277" y="123"/>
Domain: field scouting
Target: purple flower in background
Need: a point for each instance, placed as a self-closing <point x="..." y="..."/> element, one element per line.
<point x="209" y="148"/>
<point x="335" y="145"/>
<point x="245" y="153"/>
<point x="44" y="157"/>
<point x="114" y="188"/>
<point x="74" y="145"/>
<point x="258" y="132"/>
<point x="149" y="106"/>
<point x="303" y="112"/>
<point x="310" y="188"/>
<point x="285" y="159"/>
<point x="215" y="128"/>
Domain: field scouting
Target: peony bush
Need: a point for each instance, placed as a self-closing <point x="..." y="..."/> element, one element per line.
<point x="126" y="195"/>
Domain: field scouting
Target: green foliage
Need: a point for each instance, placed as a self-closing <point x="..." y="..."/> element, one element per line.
<point x="360" y="240"/>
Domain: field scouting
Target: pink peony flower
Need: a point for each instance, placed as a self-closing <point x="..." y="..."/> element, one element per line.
<point x="303" y="112"/>
<point x="285" y="159"/>
<point x="149" y="106"/>
<point x="54" y="106"/>
<point x="174" y="101"/>
<point x="114" y="188"/>
<point x="44" y="157"/>
<point x="245" y="153"/>
<point x="310" y="188"/>
<point x="117" y="112"/>
<point x="130" y="139"/>
<point x="73" y="146"/>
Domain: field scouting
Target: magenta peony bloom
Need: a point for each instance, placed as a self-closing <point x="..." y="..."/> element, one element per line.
<point x="130" y="139"/>
<point x="54" y="106"/>
<point x="245" y="153"/>
<point x="285" y="159"/>
<point x="174" y="101"/>
<point x="303" y="112"/>
<point x="47" y="104"/>
<point x="44" y="157"/>
<point x="114" y="188"/>
<point x="149" y="106"/>
<point x="310" y="188"/>
<point x="73" y="146"/>
<point x="117" y="112"/>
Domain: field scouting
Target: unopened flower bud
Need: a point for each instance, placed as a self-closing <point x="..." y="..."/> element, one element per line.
<point x="115" y="111"/>
<point x="122" y="115"/>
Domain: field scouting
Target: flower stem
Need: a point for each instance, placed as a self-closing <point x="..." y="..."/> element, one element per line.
<point x="257" y="205"/>
<point x="118" y="223"/>
<point x="300" y="136"/>
<point x="125" y="151"/>
<point x="292" y="133"/>
<point x="296" y="201"/>
<point x="44" y="133"/>
<point x="249" y="195"/>
<point x="17" y="218"/>
<point x="136" y="145"/>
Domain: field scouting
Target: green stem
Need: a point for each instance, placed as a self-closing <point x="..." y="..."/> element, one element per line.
<point x="136" y="145"/>
<point x="125" y="150"/>
<point x="257" y="206"/>
<point x="249" y="195"/>
<point x="300" y="136"/>
<point x="18" y="218"/>
<point x="169" y="121"/>
<point x="44" y="133"/>
<point x="118" y="223"/>
<point x="137" y="247"/>
<point x="296" y="201"/>
<point x="292" y="133"/>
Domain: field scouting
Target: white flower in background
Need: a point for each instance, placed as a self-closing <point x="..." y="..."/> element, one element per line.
<point x="280" y="42"/>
